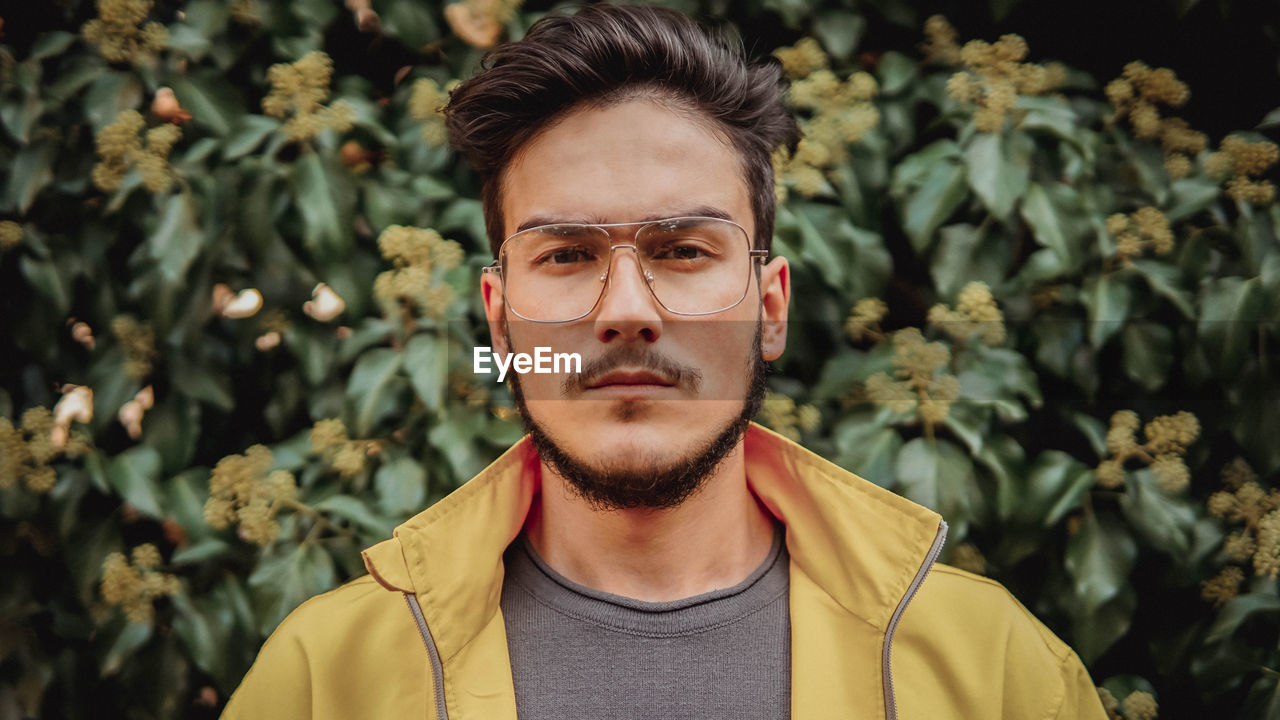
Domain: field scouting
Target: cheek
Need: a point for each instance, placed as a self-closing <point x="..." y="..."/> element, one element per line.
<point x="725" y="350"/>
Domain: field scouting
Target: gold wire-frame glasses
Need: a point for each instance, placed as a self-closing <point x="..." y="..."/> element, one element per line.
<point x="692" y="266"/>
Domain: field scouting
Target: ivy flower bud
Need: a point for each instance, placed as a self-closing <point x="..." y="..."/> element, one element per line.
<point x="325" y="304"/>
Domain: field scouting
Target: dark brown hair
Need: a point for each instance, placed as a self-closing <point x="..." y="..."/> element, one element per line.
<point x="607" y="54"/>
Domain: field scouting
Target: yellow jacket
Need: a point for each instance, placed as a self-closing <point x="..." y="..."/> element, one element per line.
<point x="877" y="629"/>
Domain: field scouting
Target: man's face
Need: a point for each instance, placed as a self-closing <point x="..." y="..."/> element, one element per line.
<point x="660" y="392"/>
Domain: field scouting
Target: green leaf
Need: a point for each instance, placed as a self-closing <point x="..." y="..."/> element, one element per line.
<point x="939" y="475"/>
<point x="896" y="71"/>
<point x="370" y="380"/>
<point x="998" y="377"/>
<point x="1272" y="119"/>
<point x="868" y="449"/>
<point x="188" y="41"/>
<point x="314" y="350"/>
<point x="45" y="277"/>
<point x="1056" y="482"/>
<point x="940" y="193"/>
<point x="1206" y="540"/>
<point x="112" y="388"/>
<point x="962" y="256"/>
<point x="132" y="637"/>
<point x="1163" y="281"/>
<point x="1058" y="339"/>
<point x="998" y="169"/>
<point x="31" y="171"/>
<point x="1094" y="430"/>
<point x="1230" y="311"/>
<point x="285" y="579"/>
<point x="846" y="256"/>
<point x="401" y="486"/>
<point x="840" y="31"/>
<point x="73" y="76"/>
<point x="844" y="371"/>
<point x="412" y="23"/>
<point x="425" y="187"/>
<point x="817" y="251"/>
<point x="1255" y="403"/>
<point x="969" y="423"/>
<point x="1005" y="459"/>
<point x="177" y="238"/>
<point x="1099" y="629"/>
<point x="466" y="215"/>
<point x="1236" y="611"/>
<point x="324" y="199"/>
<point x="1099" y="558"/>
<point x="1190" y="196"/>
<point x="201" y="383"/>
<point x="50" y="44"/>
<point x="1263" y="700"/>
<point x="1040" y="214"/>
<point x="247" y="135"/>
<point x="20" y="117"/>
<point x="110" y="94"/>
<point x="211" y="100"/>
<point x="201" y="552"/>
<point x="427" y="358"/>
<point x="1043" y="264"/>
<point x="1165" y="522"/>
<point x="1107" y="300"/>
<point x="133" y="475"/>
<point x="204" y="641"/>
<point x="386" y="205"/>
<point x="1055" y="117"/>
<point x="914" y="168"/>
<point x="1148" y="353"/>
<point x="353" y="509"/>
<point x="455" y="440"/>
<point x="172" y="427"/>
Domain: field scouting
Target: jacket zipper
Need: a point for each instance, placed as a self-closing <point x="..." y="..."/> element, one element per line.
<point x="437" y="668"/>
<point x="891" y="702"/>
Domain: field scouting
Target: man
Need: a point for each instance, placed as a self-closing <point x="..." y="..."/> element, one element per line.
<point x="646" y="552"/>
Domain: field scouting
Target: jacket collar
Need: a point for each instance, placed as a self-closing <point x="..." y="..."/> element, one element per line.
<point x="858" y="543"/>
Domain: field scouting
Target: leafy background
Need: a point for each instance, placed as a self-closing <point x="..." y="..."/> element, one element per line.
<point x="1150" y="545"/>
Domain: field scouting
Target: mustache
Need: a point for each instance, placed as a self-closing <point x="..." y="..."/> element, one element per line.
<point x="632" y="357"/>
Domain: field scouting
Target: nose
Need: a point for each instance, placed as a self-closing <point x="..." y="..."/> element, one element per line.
<point x="628" y="309"/>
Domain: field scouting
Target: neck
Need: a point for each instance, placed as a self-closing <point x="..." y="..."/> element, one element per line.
<point x="712" y="540"/>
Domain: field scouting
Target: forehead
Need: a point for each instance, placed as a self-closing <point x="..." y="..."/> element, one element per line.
<point x="629" y="161"/>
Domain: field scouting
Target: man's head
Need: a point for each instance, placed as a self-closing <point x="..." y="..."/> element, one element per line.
<point x="615" y="117"/>
<point x="605" y="55"/>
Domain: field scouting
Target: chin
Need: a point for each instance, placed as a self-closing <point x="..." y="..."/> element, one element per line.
<point x="644" y="434"/>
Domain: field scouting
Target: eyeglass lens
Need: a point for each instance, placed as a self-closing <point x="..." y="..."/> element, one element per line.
<point x="692" y="265"/>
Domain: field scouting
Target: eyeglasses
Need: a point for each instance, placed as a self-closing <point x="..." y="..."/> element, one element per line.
<point x="692" y="266"/>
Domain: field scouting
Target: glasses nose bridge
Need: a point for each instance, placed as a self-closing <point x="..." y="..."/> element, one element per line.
<point x="634" y="245"/>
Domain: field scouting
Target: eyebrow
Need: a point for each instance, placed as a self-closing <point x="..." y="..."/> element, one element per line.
<point x="696" y="211"/>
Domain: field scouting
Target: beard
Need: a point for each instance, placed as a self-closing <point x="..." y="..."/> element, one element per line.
<point x="653" y="483"/>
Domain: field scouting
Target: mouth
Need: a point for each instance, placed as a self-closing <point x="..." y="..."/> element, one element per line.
<point x="629" y="380"/>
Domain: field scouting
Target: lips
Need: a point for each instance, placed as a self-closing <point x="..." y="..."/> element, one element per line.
<point x="629" y="378"/>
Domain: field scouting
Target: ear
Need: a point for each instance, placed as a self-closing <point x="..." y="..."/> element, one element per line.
<point x="775" y="299"/>
<point x="494" y="310"/>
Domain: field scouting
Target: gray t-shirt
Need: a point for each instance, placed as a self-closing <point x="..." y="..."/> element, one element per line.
<point x="578" y="653"/>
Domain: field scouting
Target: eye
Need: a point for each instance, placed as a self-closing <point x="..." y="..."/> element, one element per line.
<point x="681" y="251"/>
<point x="566" y="256"/>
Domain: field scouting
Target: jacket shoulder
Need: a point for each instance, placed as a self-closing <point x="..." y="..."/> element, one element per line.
<point x="338" y="655"/>
<point x="987" y="605"/>
<point x="966" y="643"/>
